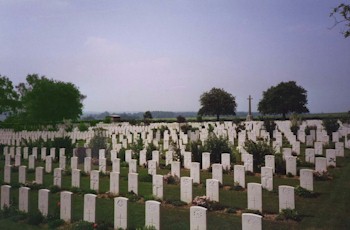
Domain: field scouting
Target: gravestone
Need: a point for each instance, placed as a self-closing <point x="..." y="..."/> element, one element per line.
<point x="339" y="147"/>
<point x="7" y="174"/>
<point x="7" y="159"/>
<point x="195" y="172"/>
<point x="331" y="157"/>
<point x="168" y="157"/>
<point x="310" y="155"/>
<point x="35" y="152"/>
<point x="251" y="221"/>
<point x="25" y="152"/>
<point x="187" y="160"/>
<point x="43" y="153"/>
<point x="76" y="178"/>
<point x="74" y="162"/>
<point x="101" y="153"/>
<point x="43" y="201"/>
<point x="18" y="160"/>
<point x="133" y="182"/>
<point x="286" y="197"/>
<point x="114" y="183"/>
<point x="88" y="152"/>
<point x="31" y="162"/>
<point x="53" y="153"/>
<point x="48" y="164"/>
<point x="120" y="213"/>
<point x="39" y="175"/>
<point x="287" y="152"/>
<point x="90" y="208"/>
<point x="212" y="189"/>
<point x="114" y="154"/>
<point x="270" y="162"/>
<point x="155" y="156"/>
<point x="157" y="186"/>
<point x="22" y="174"/>
<point x="87" y="164"/>
<point x="62" y="152"/>
<point x="152" y="167"/>
<point x="5" y="196"/>
<point x="66" y="206"/>
<point x="62" y="162"/>
<point x="175" y="168"/>
<point x="267" y="178"/>
<point x="186" y="189"/>
<point x="23" y="200"/>
<point x="318" y="148"/>
<point x="57" y="177"/>
<point x="217" y="172"/>
<point x="102" y="162"/>
<point x="248" y="163"/>
<point x="320" y="164"/>
<point x="307" y="179"/>
<point x="152" y="210"/>
<point x="225" y="161"/>
<point x="198" y="218"/>
<point x="133" y="166"/>
<point x="205" y="161"/>
<point x="143" y="160"/>
<point x="291" y="165"/>
<point x="239" y="175"/>
<point x="255" y="196"/>
<point x="296" y="147"/>
<point x="95" y="180"/>
<point x="116" y="165"/>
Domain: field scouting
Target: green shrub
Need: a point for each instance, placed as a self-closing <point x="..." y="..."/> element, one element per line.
<point x="54" y="224"/>
<point x="99" y="141"/>
<point x="216" y="145"/>
<point x="302" y="192"/>
<point x="280" y="165"/>
<point x="258" y="150"/>
<point x="35" y="218"/>
<point x="83" y="127"/>
<point x="82" y="225"/>
<point x="330" y="125"/>
<point x="289" y="214"/>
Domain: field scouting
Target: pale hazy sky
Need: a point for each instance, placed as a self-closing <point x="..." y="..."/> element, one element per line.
<point x="162" y="55"/>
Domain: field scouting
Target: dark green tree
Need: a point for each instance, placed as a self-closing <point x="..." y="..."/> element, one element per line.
<point x="286" y="97"/>
<point x="147" y="115"/>
<point x="9" y="98"/>
<point x="342" y="11"/>
<point x="217" y="102"/>
<point x="47" y="100"/>
<point x="331" y="125"/>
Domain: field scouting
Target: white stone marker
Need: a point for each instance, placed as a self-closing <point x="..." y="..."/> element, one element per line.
<point x="267" y="178"/>
<point x="205" y="161"/>
<point x="62" y="152"/>
<point x="212" y="189"/>
<point x="35" y="152"/>
<point x="152" y="218"/>
<point x="318" y="148"/>
<point x="48" y="164"/>
<point x="5" y="196"/>
<point x="287" y="152"/>
<point x="320" y="164"/>
<point x="90" y="208"/>
<point x="74" y="162"/>
<point x="248" y="163"/>
<point x="239" y="175"/>
<point x="25" y="152"/>
<point x="331" y="157"/>
<point x="114" y="183"/>
<point x="95" y="180"/>
<point x="101" y="153"/>
<point x="102" y="162"/>
<point x="62" y="162"/>
<point x="186" y="189"/>
<point x="43" y="153"/>
<point x="168" y="157"/>
<point x="88" y="152"/>
<point x="23" y="199"/>
<point x="31" y="162"/>
<point x="339" y="149"/>
<point x="251" y="221"/>
<point x="143" y="160"/>
<point x="133" y="182"/>
<point x="7" y="159"/>
<point x="39" y="175"/>
<point x="291" y="165"/>
<point x="53" y="152"/>
<point x="57" y="177"/>
<point x="7" y="174"/>
<point x="43" y="201"/>
<point x="157" y="186"/>
<point x="133" y="166"/>
<point x="226" y="161"/>
<point x="307" y="179"/>
<point x="116" y="165"/>
<point x="187" y="160"/>
<point x="76" y="178"/>
<point x="66" y="206"/>
<point x="87" y="164"/>
<point x="22" y="174"/>
<point x="254" y="196"/>
<point x="18" y="160"/>
<point x="217" y="172"/>
<point x="155" y="156"/>
<point x="120" y="213"/>
<point x="286" y="197"/>
<point x="270" y="162"/>
<point x="198" y="218"/>
<point x="175" y="168"/>
<point x="114" y="154"/>
<point x="152" y="167"/>
<point x="195" y="172"/>
<point x="310" y="155"/>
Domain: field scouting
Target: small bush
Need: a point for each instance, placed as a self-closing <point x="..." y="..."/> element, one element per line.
<point x="258" y="150"/>
<point x="289" y="214"/>
<point x="302" y="192"/>
<point x="322" y="176"/>
<point x="35" y="218"/>
<point x="54" y="224"/>
<point x="82" y="225"/>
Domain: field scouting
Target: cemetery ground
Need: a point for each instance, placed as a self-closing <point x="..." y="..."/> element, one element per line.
<point x="329" y="210"/>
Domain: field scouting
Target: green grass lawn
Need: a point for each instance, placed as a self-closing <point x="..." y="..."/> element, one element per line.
<point x="330" y="210"/>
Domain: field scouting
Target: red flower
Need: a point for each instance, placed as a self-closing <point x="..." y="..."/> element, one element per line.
<point x="58" y="203"/>
<point x="94" y="225"/>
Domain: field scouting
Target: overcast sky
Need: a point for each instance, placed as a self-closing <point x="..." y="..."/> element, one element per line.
<point x="162" y="55"/>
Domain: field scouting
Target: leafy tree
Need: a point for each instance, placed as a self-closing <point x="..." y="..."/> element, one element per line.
<point x="331" y="125"/>
<point x="9" y="99"/>
<point x="49" y="100"/>
<point x="284" y="98"/>
<point x="270" y="126"/>
<point x="180" y="119"/>
<point x="342" y="10"/>
<point x="147" y="115"/>
<point x="216" y="146"/>
<point x="258" y="150"/>
<point x="217" y="102"/>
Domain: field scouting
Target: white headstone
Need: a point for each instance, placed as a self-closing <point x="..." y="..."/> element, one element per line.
<point x="339" y="147"/>
<point x="143" y="160"/>
<point x="102" y="164"/>
<point x="251" y="221"/>
<point x="7" y="174"/>
<point x="43" y="153"/>
<point x="212" y="189"/>
<point x="267" y="178"/>
<point x="31" y="162"/>
<point x="310" y="155"/>
<point x="114" y="183"/>
<point x="133" y="166"/>
<point x="195" y="172"/>
<point x="291" y="165"/>
<point x="23" y="200"/>
<point x="168" y="157"/>
<point x="120" y="213"/>
<point x="217" y="172"/>
<point x="239" y="175"/>
<point x="331" y="157"/>
<point x="90" y="208"/>
<point x="254" y="196"/>
<point x="101" y="153"/>
<point x="225" y="161"/>
<point x="186" y="189"/>
<point x="18" y="160"/>
<point x="205" y="160"/>
<point x="187" y="160"/>
<point x="76" y="178"/>
<point x="74" y="162"/>
<point x="43" y="201"/>
<point x="62" y="162"/>
<point x="22" y="174"/>
<point x="66" y="206"/>
<point x="175" y="168"/>
<point x="286" y="197"/>
<point x="152" y="167"/>
<point x="116" y="165"/>
<point x="39" y="175"/>
<point x="198" y="218"/>
<point x="157" y="189"/>
<point x="270" y="162"/>
<point x="95" y="180"/>
<point x="307" y="179"/>
<point x="5" y="196"/>
<point x="48" y="164"/>
<point x="155" y="156"/>
<point x="152" y="218"/>
<point x="133" y="182"/>
<point x="320" y="164"/>
<point x="87" y="164"/>
<point x="57" y="177"/>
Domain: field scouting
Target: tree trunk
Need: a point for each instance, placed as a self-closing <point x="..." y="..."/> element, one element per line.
<point x="217" y="117"/>
<point x="284" y="116"/>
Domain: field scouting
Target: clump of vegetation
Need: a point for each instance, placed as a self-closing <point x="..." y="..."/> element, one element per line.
<point x="258" y="150"/>
<point x="205" y="202"/>
<point x="216" y="145"/>
<point x="170" y="179"/>
<point x="280" y="165"/>
<point x="330" y="125"/>
<point x="323" y="176"/>
<point x="99" y="141"/>
<point x="237" y="187"/>
<point x="302" y="192"/>
<point x="270" y="126"/>
<point x="289" y="214"/>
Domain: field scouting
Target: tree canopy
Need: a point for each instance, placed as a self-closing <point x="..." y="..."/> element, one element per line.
<point x="286" y="97"/>
<point x="342" y="11"/>
<point x="217" y="102"/>
<point x="147" y="115"/>
<point x="45" y="100"/>
<point x="9" y="98"/>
